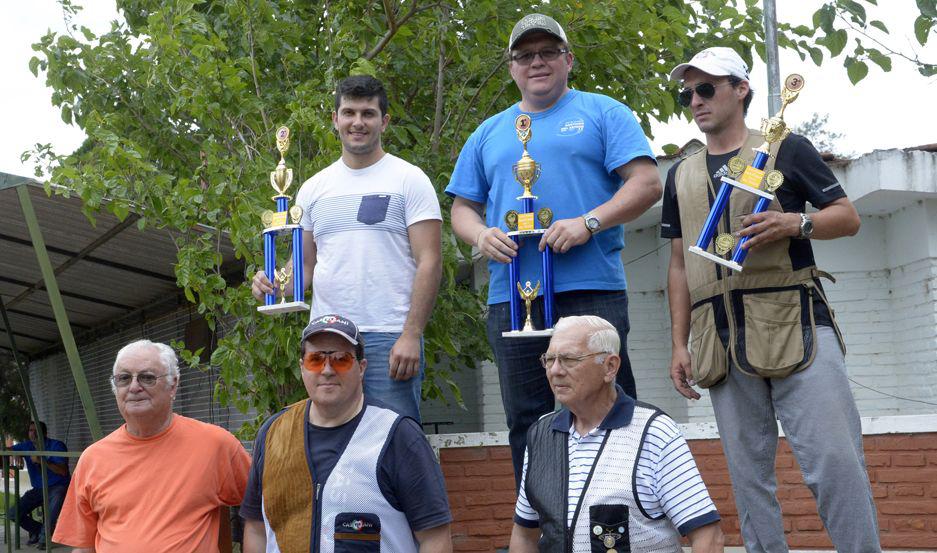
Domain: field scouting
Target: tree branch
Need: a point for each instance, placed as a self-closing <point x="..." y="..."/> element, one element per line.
<point x="468" y="107"/>
<point x="915" y="60"/>
<point x="440" y="69"/>
<point x="250" y="41"/>
<point x="394" y="25"/>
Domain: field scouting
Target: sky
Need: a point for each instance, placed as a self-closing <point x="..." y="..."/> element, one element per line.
<point x="885" y="110"/>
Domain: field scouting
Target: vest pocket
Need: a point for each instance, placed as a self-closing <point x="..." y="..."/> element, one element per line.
<point x="608" y="528"/>
<point x="773" y="331"/>
<point x="357" y="533"/>
<point x="707" y="353"/>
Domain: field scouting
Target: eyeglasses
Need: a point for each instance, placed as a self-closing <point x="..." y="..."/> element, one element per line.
<point x="546" y="54"/>
<point x="704" y="90"/>
<point x="147" y="380"/>
<point x="340" y="361"/>
<point x="566" y="361"/>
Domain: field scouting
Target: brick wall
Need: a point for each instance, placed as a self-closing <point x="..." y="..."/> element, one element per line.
<point x="902" y="470"/>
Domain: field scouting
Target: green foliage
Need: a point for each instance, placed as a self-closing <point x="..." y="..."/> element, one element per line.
<point x="180" y="103"/>
<point x="14" y="410"/>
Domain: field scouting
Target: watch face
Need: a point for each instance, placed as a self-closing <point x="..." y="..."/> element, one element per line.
<point x="592" y="223"/>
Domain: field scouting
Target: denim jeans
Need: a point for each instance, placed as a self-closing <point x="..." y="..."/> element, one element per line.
<point x="31" y="501"/>
<point x="401" y="396"/>
<point x="525" y="391"/>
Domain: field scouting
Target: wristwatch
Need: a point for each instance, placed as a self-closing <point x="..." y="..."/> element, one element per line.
<point x="806" y="226"/>
<point x="592" y="222"/>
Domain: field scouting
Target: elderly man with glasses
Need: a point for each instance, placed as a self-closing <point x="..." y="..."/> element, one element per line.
<point x="598" y="172"/>
<point x="340" y="471"/>
<point x="159" y="481"/>
<point x="606" y="472"/>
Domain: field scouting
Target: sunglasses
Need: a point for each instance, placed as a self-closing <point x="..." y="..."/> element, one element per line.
<point x="546" y="54"/>
<point x="703" y="90"/>
<point x="340" y="361"/>
<point x="147" y="380"/>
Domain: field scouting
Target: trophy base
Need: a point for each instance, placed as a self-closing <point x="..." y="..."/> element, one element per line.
<point x="527" y="232"/>
<point x="287" y="307"/>
<point x="528" y="333"/>
<point x="766" y="195"/>
<point x="716" y="259"/>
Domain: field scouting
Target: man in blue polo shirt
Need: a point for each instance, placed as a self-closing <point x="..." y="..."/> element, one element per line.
<point x="597" y="173"/>
<point x="57" y="477"/>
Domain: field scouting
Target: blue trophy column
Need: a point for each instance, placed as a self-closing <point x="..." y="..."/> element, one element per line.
<point x="298" y="290"/>
<point x="514" y="276"/>
<point x="761" y="159"/>
<point x="547" y="262"/>
<point x="270" y="263"/>
<point x="712" y="220"/>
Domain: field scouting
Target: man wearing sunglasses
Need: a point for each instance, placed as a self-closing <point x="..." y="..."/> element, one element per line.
<point x="371" y="234"/>
<point x="597" y="173"/>
<point x="606" y="473"/>
<point x="764" y="341"/>
<point x="340" y="471"/>
<point x="160" y="481"/>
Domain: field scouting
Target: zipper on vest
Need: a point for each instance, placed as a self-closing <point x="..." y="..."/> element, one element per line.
<point x="317" y="523"/>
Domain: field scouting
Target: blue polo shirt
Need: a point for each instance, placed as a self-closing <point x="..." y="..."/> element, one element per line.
<point x="579" y="142"/>
<point x="35" y="473"/>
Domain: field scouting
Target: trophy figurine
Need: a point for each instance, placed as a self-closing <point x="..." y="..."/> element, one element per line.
<point x="524" y="224"/>
<point x="276" y="224"/>
<point x="750" y="178"/>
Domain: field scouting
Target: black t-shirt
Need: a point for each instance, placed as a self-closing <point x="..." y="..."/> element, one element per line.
<point x="806" y="179"/>
<point x="408" y="475"/>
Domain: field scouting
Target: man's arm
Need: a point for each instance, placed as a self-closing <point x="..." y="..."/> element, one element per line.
<point x="261" y="284"/>
<point x="707" y="539"/>
<point x="641" y="188"/>
<point x="434" y="540"/>
<point x="255" y="536"/>
<point x="83" y="550"/>
<point x="469" y="225"/>
<point x="425" y="243"/>
<point x="58" y="468"/>
<point x="678" y="296"/>
<point x="836" y="219"/>
<point x="524" y="540"/>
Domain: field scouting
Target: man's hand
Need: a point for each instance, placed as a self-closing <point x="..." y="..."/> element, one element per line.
<point x="565" y="234"/>
<point x="496" y="245"/>
<point x="404" y="362"/>
<point x="768" y="226"/>
<point x="707" y="539"/>
<point x="681" y="374"/>
<point x="261" y="285"/>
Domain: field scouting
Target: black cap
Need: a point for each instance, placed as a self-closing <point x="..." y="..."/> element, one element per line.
<point x="335" y="324"/>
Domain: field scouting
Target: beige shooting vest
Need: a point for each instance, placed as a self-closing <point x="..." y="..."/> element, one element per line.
<point x="769" y="306"/>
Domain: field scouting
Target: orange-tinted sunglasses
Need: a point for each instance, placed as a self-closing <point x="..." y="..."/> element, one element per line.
<point x="340" y="361"/>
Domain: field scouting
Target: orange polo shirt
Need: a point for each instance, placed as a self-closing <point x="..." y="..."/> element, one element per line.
<point x="159" y="494"/>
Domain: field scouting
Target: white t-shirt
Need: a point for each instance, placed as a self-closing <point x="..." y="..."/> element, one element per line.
<point x="359" y="218"/>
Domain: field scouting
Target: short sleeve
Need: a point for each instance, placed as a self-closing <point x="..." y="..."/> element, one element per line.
<point x="303" y="200"/>
<point x="420" y="203"/>
<point x="524" y="514"/>
<point x="78" y="523"/>
<point x="668" y="482"/>
<point x="624" y="138"/>
<point x="468" y="177"/>
<point x="251" y="505"/>
<point x="670" y="209"/>
<point x="810" y="177"/>
<point x="411" y="480"/>
<point x="235" y="468"/>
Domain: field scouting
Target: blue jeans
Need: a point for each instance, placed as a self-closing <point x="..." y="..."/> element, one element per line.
<point x="31" y="501"/>
<point x="525" y="391"/>
<point x="402" y="396"/>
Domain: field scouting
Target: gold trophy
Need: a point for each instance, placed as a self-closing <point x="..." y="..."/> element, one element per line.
<point x="528" y="294"/>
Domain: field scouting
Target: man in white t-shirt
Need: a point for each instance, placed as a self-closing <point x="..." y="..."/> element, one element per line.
<point x="371" y="234"/>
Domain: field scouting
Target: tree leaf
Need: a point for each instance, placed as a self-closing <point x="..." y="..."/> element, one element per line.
<point x="836" y="42"/>
<point x="856" y="70"/>
<point x="880" y="59"/>
<point x="922" y="27"/>
<point x="879" y="25"/>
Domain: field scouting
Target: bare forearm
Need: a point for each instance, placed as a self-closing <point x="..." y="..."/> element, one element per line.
<point x="707" y="539"/>
<point x="255" y="537"/>
<point x="58" y="468"/>
<point x="435" y="540"/>
<point x="423" y="295"/>
<point x="836" y="220"/>
<point x="641" y="189"/>
<point x="467" y="220"/>
<point x="524" y="540"/>
<point x="678" y="296"/>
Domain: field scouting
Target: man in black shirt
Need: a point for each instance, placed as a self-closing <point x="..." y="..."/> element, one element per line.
<point x="770" y="321"/>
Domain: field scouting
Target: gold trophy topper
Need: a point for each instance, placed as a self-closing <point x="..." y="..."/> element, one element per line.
<point x="775" y="129"/>
<point x="528" y="294"/>
<point x="526" y="170"/>
<point x="282" y="177"/>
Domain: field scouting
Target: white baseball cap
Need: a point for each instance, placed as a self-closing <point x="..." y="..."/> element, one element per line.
<point x="718" y="61"/>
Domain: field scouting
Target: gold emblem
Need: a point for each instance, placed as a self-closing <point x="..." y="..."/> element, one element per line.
<point x="528" y="294"/>
<point x="296" y="213"/>
<point x="608" y="541"/>
<point x="510" y="219"/>
<point x="773" y="180"/>
<point x="545" y="216"/>
<point x="736" y="166"/>
<point x="794" y="82"/>
<point x="724" y="243"/>
<point x="267" y="218"/>
<point x="522" y="125"/>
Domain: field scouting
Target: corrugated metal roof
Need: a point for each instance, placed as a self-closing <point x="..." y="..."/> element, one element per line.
<point x="105" y="272"/>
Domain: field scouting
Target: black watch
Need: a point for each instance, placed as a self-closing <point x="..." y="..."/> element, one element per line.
<point x="806" y="227"/>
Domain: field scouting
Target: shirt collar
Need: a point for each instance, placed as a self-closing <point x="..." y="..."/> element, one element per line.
<point x="619" y="416"/>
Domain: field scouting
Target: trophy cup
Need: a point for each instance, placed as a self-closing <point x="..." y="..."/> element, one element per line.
<point x="276" y="224"/>
<point x="521" y="225"/>
<point x="752" y="179"/>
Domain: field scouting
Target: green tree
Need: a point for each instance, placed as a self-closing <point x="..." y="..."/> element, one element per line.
<point x="818" y="132"/>
<point x="180" y="101"/>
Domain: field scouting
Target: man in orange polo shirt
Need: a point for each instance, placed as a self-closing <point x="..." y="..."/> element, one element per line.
<point x="156" y="483"/>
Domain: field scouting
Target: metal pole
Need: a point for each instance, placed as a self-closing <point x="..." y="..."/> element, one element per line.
<point x="771" y="53"/>
<point x="58" y="308"/>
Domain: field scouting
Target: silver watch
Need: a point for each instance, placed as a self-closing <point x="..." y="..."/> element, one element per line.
<point x="806" y="227"/>
<point x="592" y="222"/>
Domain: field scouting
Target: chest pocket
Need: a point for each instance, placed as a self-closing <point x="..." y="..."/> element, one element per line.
<point x="357" y="533"/>
<point x="373" y="208"/>
<point x="608" y="528"/>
